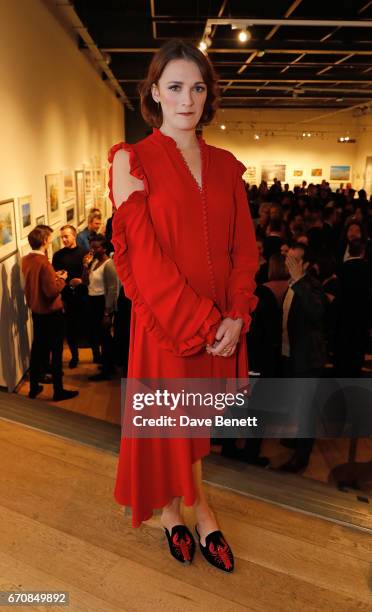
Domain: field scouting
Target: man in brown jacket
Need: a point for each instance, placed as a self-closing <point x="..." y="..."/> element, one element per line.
<point x="43" y="288"/>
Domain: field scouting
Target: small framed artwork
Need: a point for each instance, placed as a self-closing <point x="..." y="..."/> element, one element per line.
<point x="40" y="220"/>
<point x="80" y="195"/>
<point x="68" y="185"/>
<point x="56" y="243"/>
<point x="70" y="214"/>
<point x="340" y="173"/>
<point x="316" y="172"/>
<point x="52" y="183"/>
<point x="8" y="237"/>
<point x="298" y="172"/>
<point x="88" y="183"/>
<point x="25" y="215"/>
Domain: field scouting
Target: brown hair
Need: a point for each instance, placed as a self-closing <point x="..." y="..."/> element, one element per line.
<point x="38" y="236"/>
<point x="172" y="50"/>
<point x="70" y="227"/>
<point x="277" y="268"/>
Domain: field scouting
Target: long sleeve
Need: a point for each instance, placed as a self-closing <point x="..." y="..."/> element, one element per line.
<point x="312" y="297"/>
<point x="182" y="321"/>
<point x="111" y="286"/>
<point x="244" y="257"/>
<point x="50" y="284"/>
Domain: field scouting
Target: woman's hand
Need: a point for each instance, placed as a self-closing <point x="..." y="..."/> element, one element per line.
<point x="227" y="337"/>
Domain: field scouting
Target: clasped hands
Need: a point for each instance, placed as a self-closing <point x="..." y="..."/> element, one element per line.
<point x="227" y="337"/>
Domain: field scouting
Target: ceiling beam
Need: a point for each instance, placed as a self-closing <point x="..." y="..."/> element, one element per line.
<point x="287" y="14"/>
<point x="317" y="23"/>
<point x="274" y="47"/>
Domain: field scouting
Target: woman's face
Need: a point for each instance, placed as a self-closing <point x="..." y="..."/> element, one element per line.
<point x="182" y="93"/>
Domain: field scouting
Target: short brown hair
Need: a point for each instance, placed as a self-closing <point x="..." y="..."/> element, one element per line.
<point x="96" y="214"/>
<point x="38" y="236"/>
<point x="172" y="50"/>
<point x="70" y="227"/>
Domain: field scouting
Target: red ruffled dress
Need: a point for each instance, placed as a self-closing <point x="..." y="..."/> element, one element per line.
<point x="187" y="257"/>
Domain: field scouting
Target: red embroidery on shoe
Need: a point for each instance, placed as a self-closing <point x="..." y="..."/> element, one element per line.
<point x="222" y="554"/>
<point x="182" y="546"/>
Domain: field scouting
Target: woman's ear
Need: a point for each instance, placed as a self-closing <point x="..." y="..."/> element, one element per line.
<point x="155" y="93"/>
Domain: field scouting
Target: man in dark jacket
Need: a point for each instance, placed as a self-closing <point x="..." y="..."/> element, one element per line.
<point x="303" y="338"/>
<point x="70" y="259"/>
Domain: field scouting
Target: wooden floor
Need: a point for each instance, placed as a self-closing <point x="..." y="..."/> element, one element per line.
<point x="60" y="529"/>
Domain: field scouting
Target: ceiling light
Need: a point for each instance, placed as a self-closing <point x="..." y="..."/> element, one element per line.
<point x="203" y="45"/>
<point x="223" y="127"/>
<point x="244" y="35"/>
<point x="308" y="134"/>
<point x="260" y="53"/>
<point x="342" y="139"/>
<point x="347" y="138"/>
<point x="303" y="134"/>
<point x="256" y="137"/>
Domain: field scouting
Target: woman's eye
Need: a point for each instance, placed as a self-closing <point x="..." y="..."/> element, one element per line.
<point x="174" y="87"/>
<point x="199" y="88"/>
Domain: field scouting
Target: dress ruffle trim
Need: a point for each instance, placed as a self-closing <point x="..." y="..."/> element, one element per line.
<point x="206" y="333"/>
<point x="135" y="167"/>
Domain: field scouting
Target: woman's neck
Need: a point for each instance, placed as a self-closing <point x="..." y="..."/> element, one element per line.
<point x="185" y="139"/>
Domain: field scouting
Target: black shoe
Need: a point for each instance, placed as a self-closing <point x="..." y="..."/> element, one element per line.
<point x="59" y="396"/>
<point x="47" y="379"/>
<point x="181" y="543"/>
<point x="73" y="363"/>
<point x="217" y="551"/>
<point x="100" y="376"/>
<point x="295" y="465"/>
<point x="288" y="442"/>
<point x="35" y="392"/>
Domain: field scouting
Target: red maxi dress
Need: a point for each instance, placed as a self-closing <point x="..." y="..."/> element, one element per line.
<point x="187" y="258"/>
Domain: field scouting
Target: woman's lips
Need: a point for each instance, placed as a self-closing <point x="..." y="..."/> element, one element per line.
<point x="187" y="114"/>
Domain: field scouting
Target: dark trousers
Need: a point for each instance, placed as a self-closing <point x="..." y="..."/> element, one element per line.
<point x="100" y="336"/>
<point x="72" y="308"/>
<point x="303" y="446"/>
<point x="48" y="339"/>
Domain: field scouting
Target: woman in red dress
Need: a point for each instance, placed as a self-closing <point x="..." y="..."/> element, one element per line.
<point x="186" y="254"/>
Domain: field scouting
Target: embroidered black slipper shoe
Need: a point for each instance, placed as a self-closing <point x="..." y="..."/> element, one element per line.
<point x="217" y="551"/>
<point x="181" y="543"/>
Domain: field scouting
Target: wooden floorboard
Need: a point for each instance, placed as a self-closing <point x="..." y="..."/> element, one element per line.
<point x="60" y="528"/>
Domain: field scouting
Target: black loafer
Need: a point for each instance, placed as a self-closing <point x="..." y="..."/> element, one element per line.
<point x="217" y="551"/>
<point x="181" y="543"/>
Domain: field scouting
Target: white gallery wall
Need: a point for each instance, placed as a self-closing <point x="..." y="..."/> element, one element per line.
<point x="281" y="141"/>
<point x="55" y="114"/>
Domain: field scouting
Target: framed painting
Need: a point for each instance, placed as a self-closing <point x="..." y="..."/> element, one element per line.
<point x="70" y="214"/>
<point x="80" y="195"/>
<point x="68" y="185"/>
<point x="8" y="235"/>
<point x="339" y="173"/>
<point x="25" y="215"/>
<point x="56" y="242"/>
<point x="298" y="172"/>
<point x="316" y="172"/>
<point x="88" y="183"/>
<point x="270" y="171"/>
<point x="52" y="183"/>
<point x="40" y="220"/>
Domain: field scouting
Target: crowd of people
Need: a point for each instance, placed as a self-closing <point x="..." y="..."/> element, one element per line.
<point x="314" y="287"/>
<point x="74" y="297"/>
